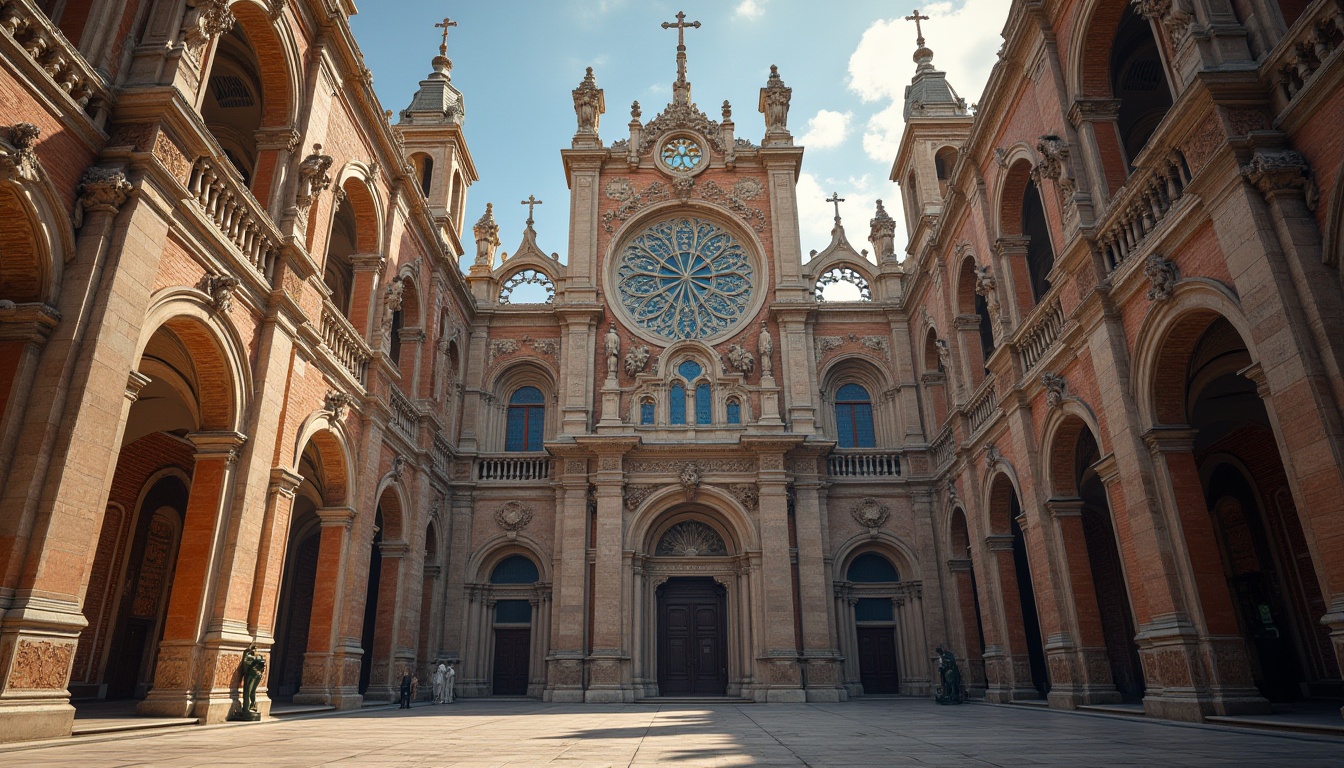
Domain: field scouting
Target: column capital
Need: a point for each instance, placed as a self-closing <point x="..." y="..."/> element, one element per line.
<point x="336" y="517"/>
<point x="1090" y="110"/>
<point x="394" y="549"/>
<point x="959" y="564"/>
<point x="1173" y="439"/>
<point x="999" y="542"/>
<point x="135" y="381"/>
<point x="1256" y="373"/>
<point x="224" y="444"/>
<point x="285" y="482"/>
<point x="1058" y="508"/>
<point x="368" y="262"/>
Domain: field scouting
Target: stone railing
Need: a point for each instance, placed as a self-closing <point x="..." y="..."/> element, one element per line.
<point x="1037" y="338"/>
<point x="405" y="419"/>
<point x="513" y="468"/>
<point x="942" y="449"/>
<point x="1315" y="37"/>
<point x="863" y="463"/>
<point x="1139" y="206"/>
<point x="982" y="404"/>
<point x="56" y="56"/>
<point x="221" y="195"/>
<point x="441" y="454"/>
<point x="344" y="343"/>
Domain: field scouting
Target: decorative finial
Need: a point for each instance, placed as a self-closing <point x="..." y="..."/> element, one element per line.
<point x="681" y="26"/>
<point x="444" y="25"/>
<point x="635" y="111"/>
<point x="727" y="110"/>
<point x="531" y="202"/>
<point x="837" y="200"/>
<point x="919" y="32"/>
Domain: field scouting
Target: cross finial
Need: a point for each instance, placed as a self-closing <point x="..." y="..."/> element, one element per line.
<point x="919" y="32"/>
<point x="531" y="202"/>
<point x="681" y="26"/>
<point x="837" y="200"/>
<point x="444" y="25"/>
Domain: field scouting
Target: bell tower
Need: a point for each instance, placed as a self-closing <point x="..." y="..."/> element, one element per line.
<point x="431" y="129"/>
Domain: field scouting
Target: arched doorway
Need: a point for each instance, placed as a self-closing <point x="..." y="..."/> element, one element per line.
<point x="873" y="579"/>
<point x="512" y="582"/>
<point x="369" y="632"/>
<point x="1024" y="672"/>
<point x="967" y="600"/>
<point x="692" y="637"/>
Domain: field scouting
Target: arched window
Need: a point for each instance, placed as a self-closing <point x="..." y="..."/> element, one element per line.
<point x="646" y="411"/>
<point x="1139" y="82"/>
<point x="676" y="403"/>
<point x="1040" y="253"/>
<point x="854" y="417"/>
<point x="702" y="403"/>
<point x="527" y="418"/>
<point x="734" y="411"/>
<point x="515" y="569"/>
<point x="871" y="568"/>
<point x="426" y="174"/>
<point x="942" y="167"/>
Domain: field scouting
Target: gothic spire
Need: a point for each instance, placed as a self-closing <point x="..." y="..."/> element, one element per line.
<point x="929" y="94"/>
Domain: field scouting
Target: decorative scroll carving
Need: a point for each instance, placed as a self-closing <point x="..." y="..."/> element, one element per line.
<point x="399" y="466"/>
<point x="101" y="190"/>
<point x="220" y="289"/>
<point x="1056" y="388"/>
<point x="870" y="513"/>
<point x="746" y="494"/>
<point x="512" y="517"/>
<point x="1162" y="274"/>
<point x="636" y="357"/>
<point x="1174" y="16"/>
<point x="1280" y="170"/>
<point x="690" y="479"/>
<point x="22" y="163"/>
<point x="631" y="201"/>
<point x="691" y="538"/>
<point x="846" y="276"/>
<point x="40" y="665"/>
<point x="675" y="466"/>
<point x="740" y="359"/>
<point x="336" y="404"/>
<point x="636" y="494"/>
<point x="992" y="456"/>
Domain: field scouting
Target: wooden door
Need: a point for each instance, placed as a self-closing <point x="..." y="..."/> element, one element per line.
<point x="692" y="638"/>
<point x="512" y="649"/>
<point x="877" y="660"/>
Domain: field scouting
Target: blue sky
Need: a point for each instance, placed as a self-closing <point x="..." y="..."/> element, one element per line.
<point x="516" y="62"/>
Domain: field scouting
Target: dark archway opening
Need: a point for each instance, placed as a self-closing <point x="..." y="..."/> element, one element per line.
<point x="1031" y="624"/>
<point x="1040" y="253"/>
<point x="371" y="604"/>
<point x="1139" y="82"/>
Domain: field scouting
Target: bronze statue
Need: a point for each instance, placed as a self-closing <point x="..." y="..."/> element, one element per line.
<point x="950" y="692"/>
<point x="252" y="666"/>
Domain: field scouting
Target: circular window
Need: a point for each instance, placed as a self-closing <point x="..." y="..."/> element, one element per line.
<point x="684" y="278"/>
<point x="682" y="154"/>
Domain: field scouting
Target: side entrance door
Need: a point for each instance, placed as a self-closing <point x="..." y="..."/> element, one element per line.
<point x="512" y="647"/>
<point x="692" y="638"/>
<point x="877" y="660"/>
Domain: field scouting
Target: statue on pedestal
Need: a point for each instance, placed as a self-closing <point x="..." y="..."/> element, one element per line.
<point x="765" y="346"/>
<point x="950" y="692"/>
<point x="253" y="665"/>
<point x="612" y="344"/>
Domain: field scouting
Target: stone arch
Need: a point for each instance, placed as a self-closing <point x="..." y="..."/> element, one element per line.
<point x="333" y="448"/>
<point x="1064" y="425"/>
<point x="1013" y="183"/>
<point x="33" y="244"/>
<point x="356" y="181"/>
<point x="219" y="354"/>
<point x="509" y="379"/>
<point x="277" y="54"/>
<point x="394" y="504"/>
<point x="1001" y="491"/>
<point x="711" y="505"/>
<point x="858" y="368"/>
<point x="424" y="171"/>
<point x="1094" y="30"/>
<point x="944" y="160"/>
<point x="500" y="547"/>
<point x="889" y="545"/>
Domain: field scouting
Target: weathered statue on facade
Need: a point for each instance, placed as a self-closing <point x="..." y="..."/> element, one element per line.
<point x="253" y="665"/>
<point x="612" y="344"/>
<point x="950" y="691"/>
<point x="765" y="346"/>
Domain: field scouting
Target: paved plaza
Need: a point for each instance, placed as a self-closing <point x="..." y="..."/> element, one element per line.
<point x="867" y="733"/>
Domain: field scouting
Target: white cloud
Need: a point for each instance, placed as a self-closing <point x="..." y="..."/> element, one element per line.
<point x="826" y="129"/>
<point x="750" y="9"/>
<point x="816" y="217"/>
<point x="964" y="38"/>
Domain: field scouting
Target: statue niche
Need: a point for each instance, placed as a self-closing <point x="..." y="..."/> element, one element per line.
<point x="691" y="538"/>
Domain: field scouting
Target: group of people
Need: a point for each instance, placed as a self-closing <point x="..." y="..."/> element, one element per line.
<point x="444" y="679"/>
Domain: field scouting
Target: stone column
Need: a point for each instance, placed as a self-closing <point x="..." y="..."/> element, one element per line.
<point x="971" y="650"/>
<point x="609" y="657"/>
<point x="570" y="617"/>
<point x="795" y="351"/>
<point x="779" y="677"/>
<point x="475" y="398"/>
<point x="24" y="331"/>
<point x="821" y="649"/>
<point x="454" y="599"/>
<point x="1090" y="668"/>
<point x="330" y="667"/>
<point x="270" y="565"/>
<point x="368" y="277"/>
<point x="1014" y="665"/>
<point x="191" y="678"/>
<point x="578" y="362"/>
<point x="1011" y="263"/>
<point x="385" y="674"/>
<point x="1095" y="121"/>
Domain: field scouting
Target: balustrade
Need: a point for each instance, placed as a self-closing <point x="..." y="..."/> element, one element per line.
<point x="56" y="56"/>
<point x="1139" y="206"/>
<point x="344" y="343"/>
<point x="236" y="214"/>
<point x="1036" y="339"/>
<point x="405" y="418"/>
<point x="942" y="449"/>
<point x="441" y="454"/>
<point x="863" y="464"/>
<point x="982" y="405"/>
<point x="1311" y="41"/>
<point x="513" y="468"/>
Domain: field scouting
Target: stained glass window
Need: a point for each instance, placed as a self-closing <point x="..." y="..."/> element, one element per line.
<point x="734" y="412"/>
<point x="646" y="411"/>
<point x="871" y="568"/>
<point x="689" y="369"/>
<point x="677" y="405"/>
<point x="527" y="418"/>
<point x="702" y="403"/>
<point x="685" y="278"/>
<point x="682" y="154"/>
<point x="515" y="569"/>
<point x="854" y="417"/>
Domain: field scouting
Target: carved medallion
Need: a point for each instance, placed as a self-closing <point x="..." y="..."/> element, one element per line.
<point x="512" y="517"/>
<point x="870" y="513"/>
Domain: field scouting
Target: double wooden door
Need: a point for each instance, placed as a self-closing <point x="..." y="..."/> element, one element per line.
<point x="877" y="660"/>
<point x="512" y="649"/>
<point x="692" y="638"/>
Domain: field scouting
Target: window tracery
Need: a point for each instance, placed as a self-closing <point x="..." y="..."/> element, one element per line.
<point x="522" y="280"/>
<point x="691" y="538"/>
<point x="843" y="284"/>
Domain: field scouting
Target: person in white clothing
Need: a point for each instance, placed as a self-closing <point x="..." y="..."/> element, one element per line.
<point x="439" y="674"/>
<point x="448" y="684"/>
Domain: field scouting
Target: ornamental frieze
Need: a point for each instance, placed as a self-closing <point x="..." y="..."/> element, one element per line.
<point x="674" y="466"/>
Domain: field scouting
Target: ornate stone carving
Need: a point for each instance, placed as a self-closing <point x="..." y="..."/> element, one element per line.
<point x="206" y="20"/>
<point x="336" y="404"/>
<point x="636" y="494"/>
<point x="1162" y="274"/>
<point x="678" y="116"/>
<point x="882" y="233"/>
<point x="675" y="466"/>
<point x="278" y="9"/>
<point x="1056" y="388"/>
<point x="611" y="345"/>
<point x="544" y="346"/>
<point x="630" y="200"/>
<point x="952" y="498"/>
<point x="774" y="104"/>
<point x="1175" y="16"/>
<point x="313" y="177"/>
<point x="825" y="344"/>
<point x="944" y="354"/>
<point x="512" y="517"/>
<point x="220" y="288"/>
<point x="690" y="538"/>
<point x="399" y="466"/>
<point x="690" y="479"/>
<point x="746" y="495"/>
<point x="21" y="164"/>
<point x="1054" y="165"/>
<point x="870" y="513"/>
<point x="992" y="456"/>
<point x="40" y="665"/>
<point x="740" y="359"/>
<point x="636" y="357"/>
<point x="500" y="347"/>
<point x="589" y="104"/>
<point x="101" y="190"/>
<point x="1275" y="171"/>
<point x="765" y="347"/>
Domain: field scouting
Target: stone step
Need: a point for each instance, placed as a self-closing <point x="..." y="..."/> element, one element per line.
<point x="95" y="726"/>
<point x="696" y="701"/>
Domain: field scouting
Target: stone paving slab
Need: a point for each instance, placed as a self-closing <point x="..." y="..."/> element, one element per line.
<point x="477" y="734"/>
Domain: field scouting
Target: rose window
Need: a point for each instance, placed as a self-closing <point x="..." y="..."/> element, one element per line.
<point x="682" y="154"/>
<point x="685" y="278"/>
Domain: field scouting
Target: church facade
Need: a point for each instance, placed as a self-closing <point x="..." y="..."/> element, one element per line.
<point x="1083" y="429"/>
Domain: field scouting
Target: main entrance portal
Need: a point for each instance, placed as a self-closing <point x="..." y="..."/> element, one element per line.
<point x="692" y="638"/>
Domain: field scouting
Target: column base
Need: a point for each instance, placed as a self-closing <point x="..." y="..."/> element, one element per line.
<point x="33" y="719"/>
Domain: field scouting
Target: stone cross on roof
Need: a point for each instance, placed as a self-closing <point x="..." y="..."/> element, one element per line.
<point x="919" y="32"/>
<point x="444" y="25"/>
<point x="531" y="202"/>
<point x="837" y="200"/>
<point x="681" y="26"/>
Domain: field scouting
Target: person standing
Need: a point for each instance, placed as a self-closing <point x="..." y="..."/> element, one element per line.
<point x="448" y="684"/>
<point x="440" y="674"/>
<point x="405" y="688"/>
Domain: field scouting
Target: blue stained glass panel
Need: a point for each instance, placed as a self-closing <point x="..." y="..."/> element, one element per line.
<point x="689" y="370"/>
<point x="702" y="403"/>
<point x="734" y="412"/>
<point x="873" y="609"/>
<point x="677" y="405"/>
<point x="854" y="418"/>
<point x="646" y="412"/>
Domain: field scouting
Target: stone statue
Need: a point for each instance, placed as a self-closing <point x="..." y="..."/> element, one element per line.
<point x="765" y="346"/>
<point x="950" y="691"/>
<point x="448" y="683"/>
<point x="612" y="345"/>
<point x="440" y="675"/>
<point x="253" y="665"/>
<point x="588" y="105"/>
<point x="774" y="104"/>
